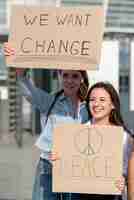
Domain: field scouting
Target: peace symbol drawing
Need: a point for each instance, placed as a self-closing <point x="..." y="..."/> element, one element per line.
<point x="88" y="141"/>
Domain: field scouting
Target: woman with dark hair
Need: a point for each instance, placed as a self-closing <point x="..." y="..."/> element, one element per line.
<point x="65" y="106"/>
<point x="115" y="116"/>
<point x="104" y="109"/>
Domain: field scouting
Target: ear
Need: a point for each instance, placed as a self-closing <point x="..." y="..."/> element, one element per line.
<point x="113" y="107"/>
<point x="82" y="80"/>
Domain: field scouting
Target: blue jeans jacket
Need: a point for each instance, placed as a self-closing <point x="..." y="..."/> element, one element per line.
<point x="43" y="184"/>
<point x="62" y="112"/>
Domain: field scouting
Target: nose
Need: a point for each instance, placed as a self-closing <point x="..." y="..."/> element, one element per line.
<point x="69" y="80"/>
<point x="96" y="103"/>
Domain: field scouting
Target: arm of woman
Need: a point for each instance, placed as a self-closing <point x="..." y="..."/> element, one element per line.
<point x="131" y="175"/>
<point x="40" y="99"/>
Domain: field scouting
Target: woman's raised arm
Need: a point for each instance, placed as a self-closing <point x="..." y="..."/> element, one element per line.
<point x="39" y="98"/>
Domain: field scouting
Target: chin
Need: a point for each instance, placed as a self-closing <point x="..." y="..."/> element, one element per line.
<point x="100" y="119"/>
<point x="69" y="93"/>
<point x="96" y="117"/>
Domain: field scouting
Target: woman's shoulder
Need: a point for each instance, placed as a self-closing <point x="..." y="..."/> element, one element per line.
<point x="129" y="134"/>
<point x="88" y="123"/>
<point x="128" y="139"/>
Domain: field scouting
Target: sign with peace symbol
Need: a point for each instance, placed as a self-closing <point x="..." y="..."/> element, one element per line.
<point x="87" y="162"/>
<point x="88" y="141"/>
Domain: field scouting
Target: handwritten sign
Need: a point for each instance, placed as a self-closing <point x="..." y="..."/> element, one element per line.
<point x="90" y="159"/>
<point x="68" y="38"/>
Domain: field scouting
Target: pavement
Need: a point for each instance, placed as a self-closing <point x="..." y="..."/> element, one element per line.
<point x="17" y="167"/>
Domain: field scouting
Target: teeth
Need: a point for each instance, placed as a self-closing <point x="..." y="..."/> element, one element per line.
<point x="97" y="110"/>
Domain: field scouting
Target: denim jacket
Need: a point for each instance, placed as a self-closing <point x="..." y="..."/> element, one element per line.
<point x="61" y="112"/>
<point x="127" y="150"/>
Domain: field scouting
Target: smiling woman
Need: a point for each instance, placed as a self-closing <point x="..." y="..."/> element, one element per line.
<point x="104" y="109"/>
<point x="65" y="106"/>
<point x="100" y="106"/>
<point x="71" y="80"/>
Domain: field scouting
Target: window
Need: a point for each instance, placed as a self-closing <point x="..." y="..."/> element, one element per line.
<point x="3" y="10"/>
<point x="3" y="69"/>
<point x="124" y="83"/>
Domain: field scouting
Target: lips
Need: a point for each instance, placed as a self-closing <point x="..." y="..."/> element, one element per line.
<point x="97" y="110"/>
<point x="70" y="87"/>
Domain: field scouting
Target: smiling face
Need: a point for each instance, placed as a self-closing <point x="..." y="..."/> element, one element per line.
<point x="100" y="106"/>
<point x="71" y="82"/>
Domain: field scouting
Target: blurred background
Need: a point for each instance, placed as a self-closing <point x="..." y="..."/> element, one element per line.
<point x="19" y="127"/>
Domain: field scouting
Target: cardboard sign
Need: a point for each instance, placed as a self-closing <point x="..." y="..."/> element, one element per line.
<point x="90" y="159"/>
<point x="65" y="38"/>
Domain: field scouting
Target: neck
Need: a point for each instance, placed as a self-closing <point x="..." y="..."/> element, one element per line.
<point x="101" y="122"/>
<point x="75" y="100"/>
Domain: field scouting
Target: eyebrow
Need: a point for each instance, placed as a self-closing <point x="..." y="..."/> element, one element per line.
<point x="95" y="97"/>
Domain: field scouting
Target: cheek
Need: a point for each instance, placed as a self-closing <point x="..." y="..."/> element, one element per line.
<point x="78" y="82"/>
<point x="90" y="105"/>
<point x="64" y="80"/>
<point x="109" y="107"/>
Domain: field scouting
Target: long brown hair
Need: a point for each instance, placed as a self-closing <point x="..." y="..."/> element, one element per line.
<point x="83" y="91"/>
<point x="115" y="116"/>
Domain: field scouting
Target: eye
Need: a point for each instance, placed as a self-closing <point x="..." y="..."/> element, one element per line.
<point x="91" y="99"/>
<point x="65" y="75"/>
<point x="75" y="76"/>
<point x="102" y="99"/>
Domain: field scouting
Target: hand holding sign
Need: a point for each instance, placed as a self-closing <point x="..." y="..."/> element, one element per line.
<point x="53" y="156"/>
<point x="120" y="184"/>
<point x="8" y="50"/>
